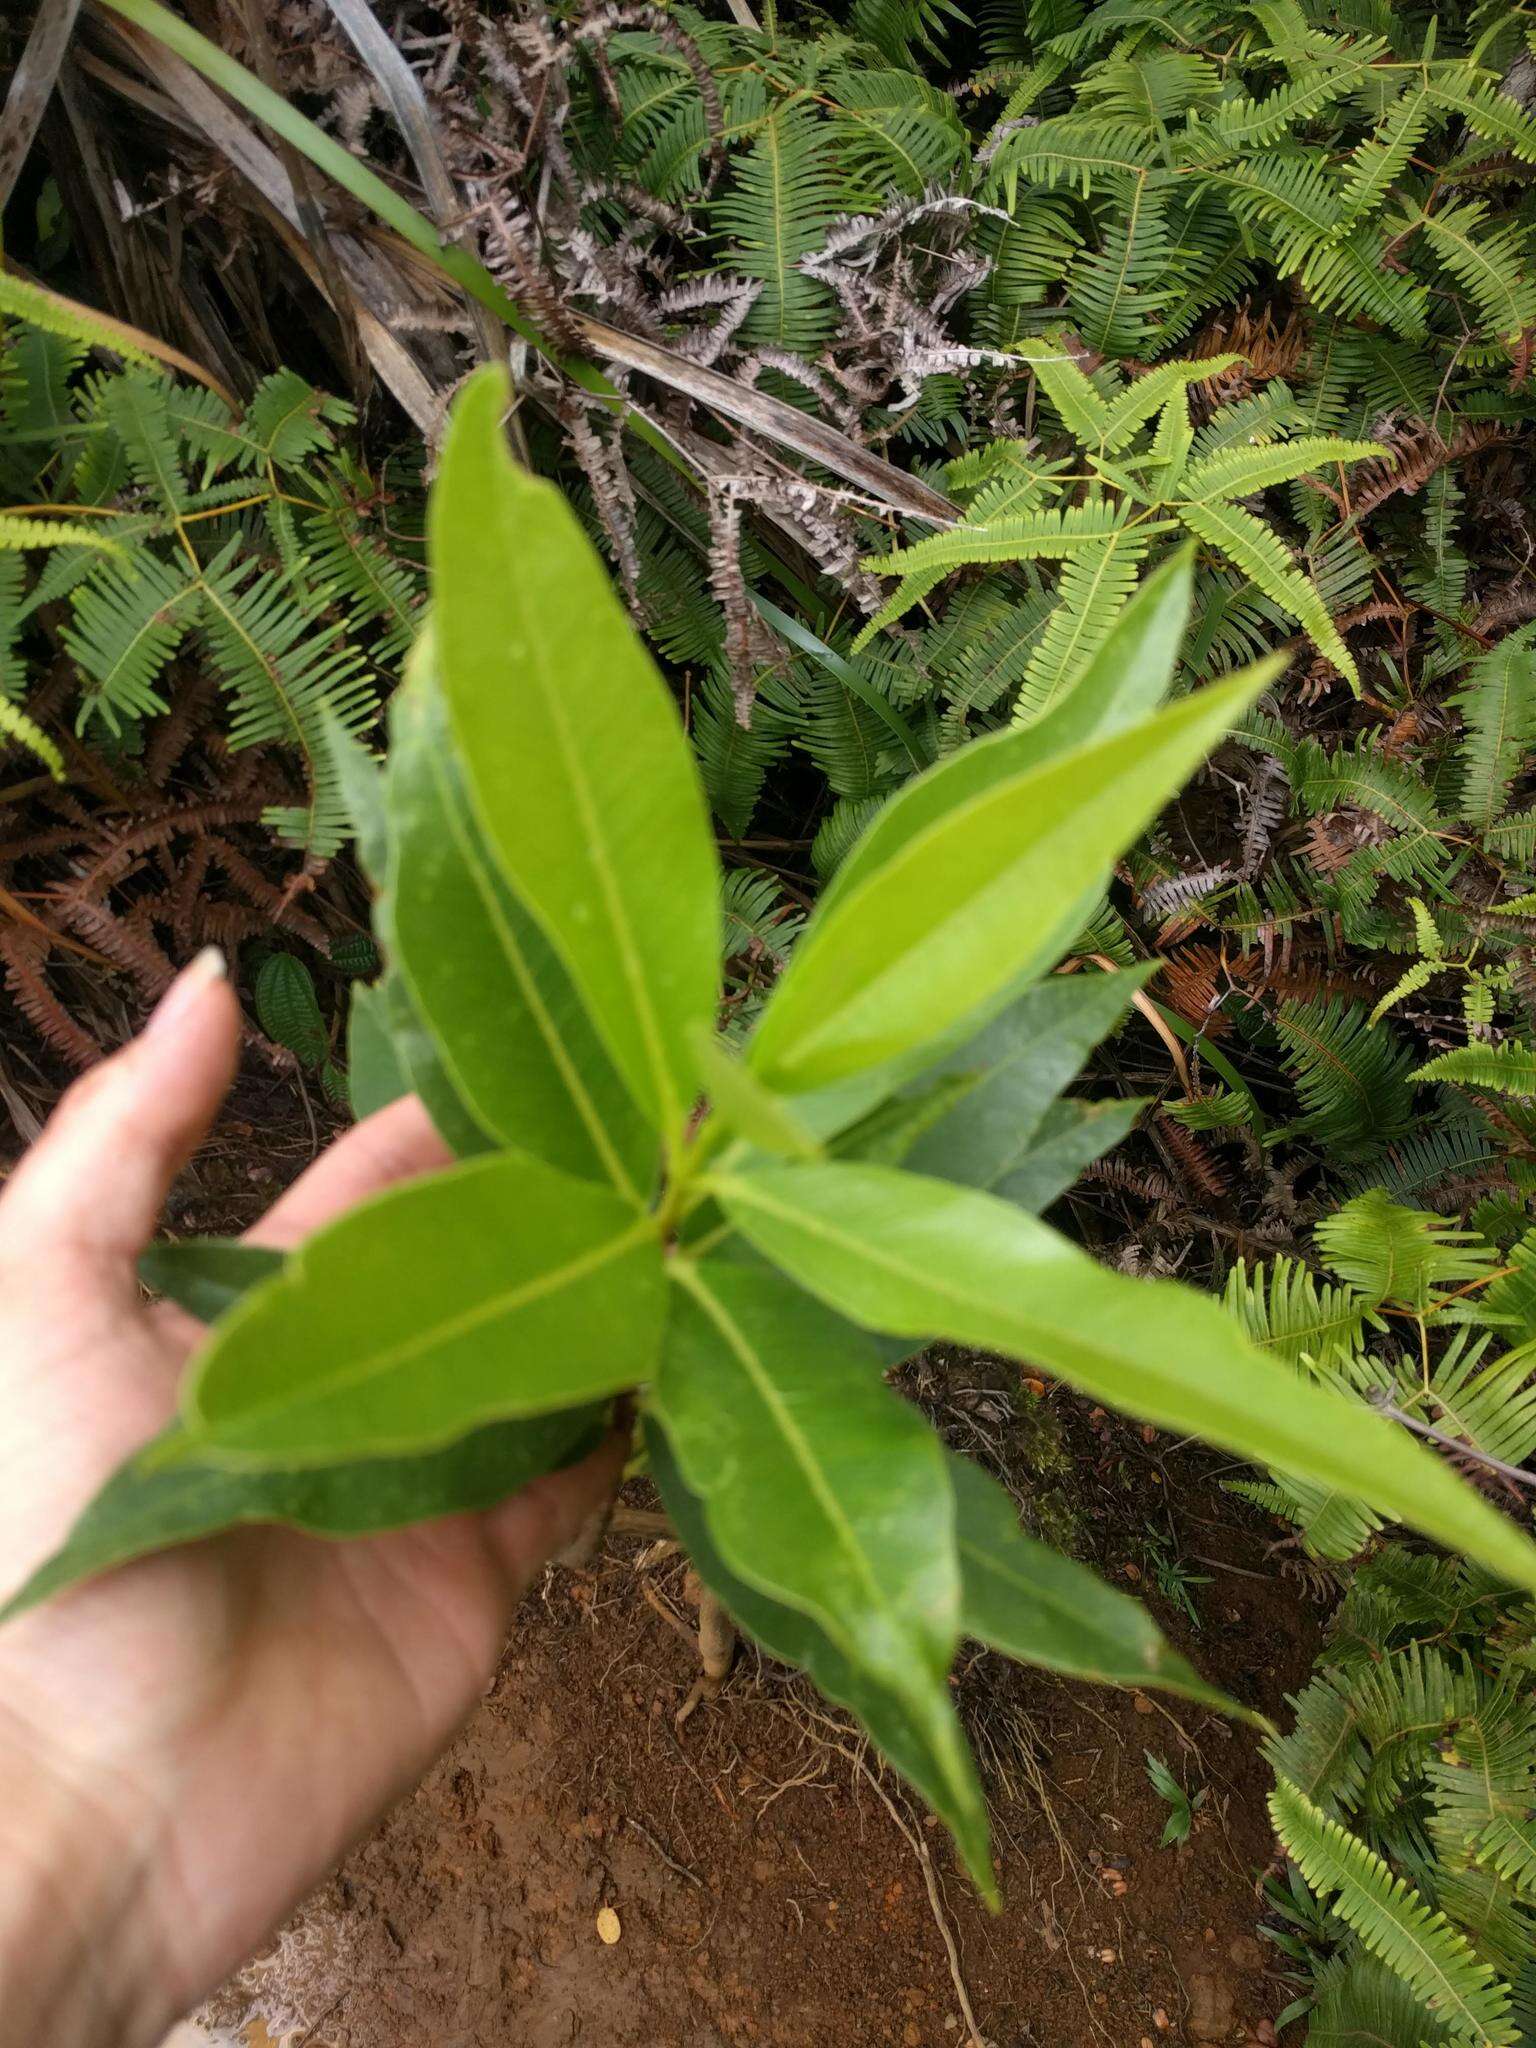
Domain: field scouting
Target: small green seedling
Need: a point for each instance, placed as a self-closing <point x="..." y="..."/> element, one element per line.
<point x="735" y="1240"/>
<point x="1181" y="1808"/>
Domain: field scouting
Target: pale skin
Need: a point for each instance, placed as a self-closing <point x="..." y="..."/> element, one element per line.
<point x="190" y="1743"/>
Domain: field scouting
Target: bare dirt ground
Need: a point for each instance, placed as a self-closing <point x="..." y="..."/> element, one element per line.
<point x="771" y="1885"/>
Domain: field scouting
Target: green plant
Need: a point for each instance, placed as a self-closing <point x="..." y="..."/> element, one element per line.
<point x="1143" y="472"/>
<point x="1181" y="1807"/>
<point x="288" y="1011"/>
<point x="1405" y="1796"/>
<point x="549" y="912"/>
<point x="1432" y="1325"/>
<point x="150" y="521"/>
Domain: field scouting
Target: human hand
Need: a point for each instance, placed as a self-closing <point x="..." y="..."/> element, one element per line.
<point x="190" y="1743"/>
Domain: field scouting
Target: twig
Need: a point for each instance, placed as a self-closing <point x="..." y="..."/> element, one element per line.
<point x="671" y="1862"/>
<point x="919" y="1849"/>
<point x="1385" y="1406"/>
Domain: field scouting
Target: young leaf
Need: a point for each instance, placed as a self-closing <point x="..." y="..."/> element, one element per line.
<point x="921" y="1258"/>
<point x="576" y="761"/>
<point x="1030" y="1602"/>
<point x="987" y="893"/>
<point x="171" y="1494"/>
<point x="506" y="1019"/>
<point x="501" y="1287"/>
<point x="1069" y="1137"/>
<point x="206" y="1275"/>
<point x="941" y="1771"/>
<point x="1018" y="1066"/>
<point x="1125" y="682"/>
<point x="821" y="1488"/>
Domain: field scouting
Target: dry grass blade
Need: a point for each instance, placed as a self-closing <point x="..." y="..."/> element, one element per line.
<point x="407" y="102"/>
<point x="31" y="85"/>
<point x="377" y="291"/>
<point x="770" y="417"/>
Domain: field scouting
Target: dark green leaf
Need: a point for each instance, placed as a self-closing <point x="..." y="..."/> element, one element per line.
<point x="796" y="1639"/>
<point x="1018" y="1066"/>
<point x="151" y="1503"/>
<point x="1030" y="1602"/>
<point x="501" y="1287"/>
<point x="376" y="1075"/>
<point x="822" y="1489"/>
<point x="577" y="762"/>
<point x="206" y="1275"/>
<point x="422" y="1063"/>
<point x="1069" y="1137"/>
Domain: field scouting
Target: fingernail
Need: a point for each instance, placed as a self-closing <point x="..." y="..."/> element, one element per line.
<point x="205" y="967"/>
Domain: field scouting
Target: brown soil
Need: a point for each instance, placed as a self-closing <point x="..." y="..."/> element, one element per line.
<point x="765" y="1891"/>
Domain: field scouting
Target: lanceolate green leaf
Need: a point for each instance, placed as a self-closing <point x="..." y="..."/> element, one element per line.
<point x="575" y="757"/>
<point x="172" y="1494"/>
<point x="499" y="1288"/>
<point x="1030" y="1602"/>
<point x="921" y="1258"/>
<point x="941" y="1771"/>
<point x="1068" y="1138"/>
<point x="507" y="1021"/>
<point x="821" y="1488"/>
<point x="988" y="892"/>
<point x="1017" y="1067"/>
<point x="207" y="1275"/>
<point x="1126" y="681"/>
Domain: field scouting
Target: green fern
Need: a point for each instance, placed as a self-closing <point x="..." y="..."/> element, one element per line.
<point x="176" y="556"/>
<point x="1508" y="1069"/>
<point x="1355" y="1083"/>
<point x="1393" y="1922"/>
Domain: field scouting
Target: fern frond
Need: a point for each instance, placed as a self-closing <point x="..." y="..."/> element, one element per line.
<point x="15" y="725"/>
<point x="785" y="194"/>
<point x="1096" y="583"/>
<point x="1051" y="535"/>
<point x="1390" y="1253"/>
<point x="1375" y="165"/>
<point x="20" y="299"/>
<point x="1283" y="1307"/>
<point x="128" y="622"/>
<point x="1498" y="709"/>
<point x="1491" y="265"/>
<point x="1355" y="1083"/>
<point x="287" y="681"/>
<point x="1508" y="1069"/>
<point x="1408" y="983"/>
<point x="18" y="533"/>
<point x="1263" y="557"/>
<point x="1393" y="1922"/>
<point x="1483" y="1790"/>
<point x="1240" y="472"/>
<point x="1071" y="151"/>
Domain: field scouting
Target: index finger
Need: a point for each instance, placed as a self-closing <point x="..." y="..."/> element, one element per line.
<point x="397" y="1143"/>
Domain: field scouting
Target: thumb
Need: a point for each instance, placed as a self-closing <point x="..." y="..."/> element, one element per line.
<point x="93" y="1184"/>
